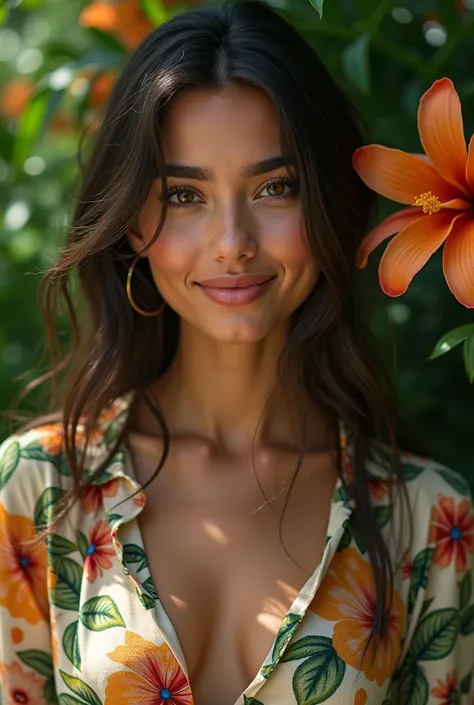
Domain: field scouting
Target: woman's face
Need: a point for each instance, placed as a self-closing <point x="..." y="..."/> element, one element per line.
<point x="229" y="216"/>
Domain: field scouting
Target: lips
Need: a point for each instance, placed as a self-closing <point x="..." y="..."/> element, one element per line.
<point x="231" y="282"/>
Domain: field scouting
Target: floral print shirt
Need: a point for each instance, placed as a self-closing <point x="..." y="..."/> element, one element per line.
<point x="81" y="622"/>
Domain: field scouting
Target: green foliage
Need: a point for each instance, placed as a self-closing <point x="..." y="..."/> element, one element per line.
<point x="384" y="54"/>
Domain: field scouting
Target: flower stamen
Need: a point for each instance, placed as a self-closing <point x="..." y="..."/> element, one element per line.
<point x="429" y="202"/>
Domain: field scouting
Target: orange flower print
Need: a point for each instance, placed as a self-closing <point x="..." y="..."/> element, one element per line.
<point x="51" y="439"/>
<point x="140" y="499"/>
<point x="378" y="489"/>
<point x="360" y="697"/>
<point x="91" y="499"/>
<point x="439" y="188"/>
<point x="347" y="597"/>
<point x="20" y="685"/>
<point x="452" y="530"/>
<point x="154" y="676"/>
<point x="99" y="552"/>
<point x="23" y="589"/>
<point x="446" y="690"/>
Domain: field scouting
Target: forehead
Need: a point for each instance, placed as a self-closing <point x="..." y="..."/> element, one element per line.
<point x="238" y="123"/>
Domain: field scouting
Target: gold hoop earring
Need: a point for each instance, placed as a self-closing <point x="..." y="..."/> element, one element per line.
<point x="130" y="297"/>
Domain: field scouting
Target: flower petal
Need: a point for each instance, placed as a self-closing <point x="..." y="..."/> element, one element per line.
<point x="391" y="225"/>
<point x="441" y="131"/>
<point x="410" y="250"/>
<point x="458" y="260"/>
<point x="398" y="175"/>
<point x="470" y="165"/>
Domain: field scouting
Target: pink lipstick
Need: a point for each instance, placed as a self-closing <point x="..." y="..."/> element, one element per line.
<point x="236" y="290"/>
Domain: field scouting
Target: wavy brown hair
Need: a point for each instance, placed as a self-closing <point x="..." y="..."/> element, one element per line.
<point x="113" y="350"/>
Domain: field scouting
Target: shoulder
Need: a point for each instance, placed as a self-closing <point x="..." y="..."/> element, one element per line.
<point x="31" y="462"/>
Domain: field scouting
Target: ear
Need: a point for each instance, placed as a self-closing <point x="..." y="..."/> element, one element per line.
<point x="136" y="241"/>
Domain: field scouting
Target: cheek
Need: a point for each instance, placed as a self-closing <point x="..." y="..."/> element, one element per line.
<point x="286" y="243"/>
<point x="172" y="255"/>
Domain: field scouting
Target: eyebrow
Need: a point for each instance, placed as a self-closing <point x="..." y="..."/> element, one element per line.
<point x="203" y="174"/>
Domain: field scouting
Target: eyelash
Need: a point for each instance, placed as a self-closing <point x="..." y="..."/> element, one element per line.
<point x="292" y="183"/>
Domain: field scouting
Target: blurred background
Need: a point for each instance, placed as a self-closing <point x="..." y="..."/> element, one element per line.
<point x="58" y="62"/>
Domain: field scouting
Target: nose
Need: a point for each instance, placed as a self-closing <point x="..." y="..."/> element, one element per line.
<point x="234" y="237"/>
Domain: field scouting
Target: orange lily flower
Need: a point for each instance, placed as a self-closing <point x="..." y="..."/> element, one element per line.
<point x="439" y="188"/>
<point x="124" y="19"/>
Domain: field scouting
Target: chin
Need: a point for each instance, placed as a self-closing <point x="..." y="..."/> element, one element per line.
<point x="238" y="332"/>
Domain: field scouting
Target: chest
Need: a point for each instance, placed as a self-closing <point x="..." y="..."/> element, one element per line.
<point x="228" y="564"/>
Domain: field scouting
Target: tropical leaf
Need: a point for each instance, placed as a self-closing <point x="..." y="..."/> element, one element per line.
<point x="66" y="593"/>
<point x="251" y="701"/>
<point x="66" y="699"/>
<point x="78" y="687"/>
<point x="46" y="505"/>
<point x="60" y="546"/>
<point x="468" y="353"/>
<point x="467" y="621"/>
<point x="318" y="677"/>
<point x="39" y="661"/>
<point x="465" y="590"/>
<point x="382" y="515"/>
<point x="414" y="687"/>
<point x="35" y="451"/>
<point x="286" y="631"/>
<point x="82" y="544"/>
<point x="9" y="462"/>
<point x="466" y="684"/>
<point x="307" y="647"/>
<point x="419" y="574"/>
<point x="451" y="339"/>
<point x="147" y="601"/>
<point x="318" y="6"/>
<point x="149" y="586"/>
<point x="410" y="471"/>
<point x="355" y="62"/>
<point x="435" y="635"/>
<point x="49" y="691"/>
<point x="100" y="613"/>
<point x="71" y="644"/>
<point x="455" y="481"/>
<point x="134" y="554"/>
<point x="154" y="10"/>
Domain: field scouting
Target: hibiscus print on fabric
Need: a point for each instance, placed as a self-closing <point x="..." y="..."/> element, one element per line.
<point x="99" y="552"/>
<point x="452" y="530"/>
<point x="20" y="685"/>
<point x="22" y="569"/>
<point x="347" y="597"/>
<point x="91" y="499"/>
<point x="154" y="676"/>
<point x="446" y="691"/>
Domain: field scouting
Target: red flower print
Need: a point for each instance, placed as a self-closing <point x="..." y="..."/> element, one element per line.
<point x="407" y="565"/>
<point x="20" y="685"/>
<point x="23" y="589"/>
<point x="378" y="489"/>
<point x="452" y="530"/>
<point x="154" y="676"/>
<point x="99" y="551"/>
<point x="445" y="690"/>
<point x="91" y="499"/>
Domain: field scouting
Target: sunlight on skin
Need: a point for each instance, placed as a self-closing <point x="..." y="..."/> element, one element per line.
<point x="275" y="611"/>
<point x="178" y="602"/>
<point x="215" y="533"/>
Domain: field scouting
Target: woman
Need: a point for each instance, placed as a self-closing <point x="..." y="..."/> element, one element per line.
<point x="225" y="516"/>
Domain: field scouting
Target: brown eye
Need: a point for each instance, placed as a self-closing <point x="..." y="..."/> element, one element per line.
<point x="185" y="196"/>
<point x="276" y="189"/>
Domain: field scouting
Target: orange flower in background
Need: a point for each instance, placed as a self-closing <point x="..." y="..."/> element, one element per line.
<point x="347" y="597"/>
<point x="100" y="89"/>
<point x="446" y="690"/>
<point x="124" y="19"/>
<point x="99" y="552"/>
<point x="452" y="530"/>
<point x="15" y="97"/>
<point x="439" y="188"/>
<point x="155" y="675"/>
<point x="20" y="685"/>
<point x="23" y="569"/>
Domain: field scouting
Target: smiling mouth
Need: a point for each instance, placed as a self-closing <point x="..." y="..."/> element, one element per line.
<point x="237" y="295"/>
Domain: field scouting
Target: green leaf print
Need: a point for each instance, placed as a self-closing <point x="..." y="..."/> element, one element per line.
<point x="419" y="574"/>
<point x="318" y="677"/>
<point x="60" y="546"/>
<point x="147" y="601"/>
<point x="466" y="684"/>
<point x="82" y="544"/>
<point x="287" y="629"/>
<point x="112" y="518"/>
<point x="382" y="515"/>
<point x="465" y="590"/>
<point x="425" y="606"/>
<point x="66" y="699"/>
<point x="45" y="506"/>
<point x="100" y="613"/>
<point x="134" y="554"/>
<point x="81" y="689"/>
<point x="65" y="594"/>
<point x="39" y="661"/>
<point x="467" y="621"/>
<point x="35" y="451"/>
<point x="346" y="539"/>
<point x="251" y="701"/>
<point x="307" y="647"/>
<point x="71" y="644"/>
<point x="9" y="462"/>
<point x="410" y="472"/>
<point x="414" y="688"/>
<point x="49" y="691"/>
<point x="435" y="635"/>
<point x="149" y="586"/>
<point x="454" y="480"/>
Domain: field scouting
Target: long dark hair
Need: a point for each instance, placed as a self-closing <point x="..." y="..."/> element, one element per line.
<point x="113" y="349"/>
